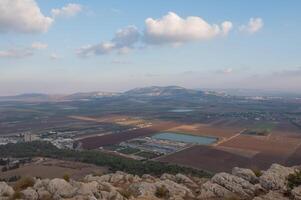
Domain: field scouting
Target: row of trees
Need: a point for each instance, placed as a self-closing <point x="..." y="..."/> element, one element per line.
<point x="115" y="163"/>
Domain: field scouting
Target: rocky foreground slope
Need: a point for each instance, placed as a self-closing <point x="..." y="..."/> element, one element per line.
<point x="278" y="182"/>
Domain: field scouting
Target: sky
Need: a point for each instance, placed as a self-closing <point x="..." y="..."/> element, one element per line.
<point x="63" y="46"/>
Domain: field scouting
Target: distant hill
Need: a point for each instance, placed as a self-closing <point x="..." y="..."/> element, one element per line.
<point x="28" y="97"/>
<point x="89" y="95"/>
<point x="156" y="91"/>
<point x="153" y="91"/>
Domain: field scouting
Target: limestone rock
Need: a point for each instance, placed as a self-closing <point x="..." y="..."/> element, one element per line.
<point x="29" y="194"/>
<point x="99" y="179"/>
<point x="237" y="185"/>
<point x="296" y="193"/>
<point x="61" y="188"/>
<point x="275" y="177"/>
<point x="175" y="190"/>
<point x="168" y="176"/>
<point x="43" y="193"/>
<point x="246" y="174"/>
<point x="5" y="190"/>
<point x="210" y="190"/>
<point x="180" y="178"/>
<point x="148" y="178"/>
<point x="142" y="189"/>
<point x="87" y="189"/>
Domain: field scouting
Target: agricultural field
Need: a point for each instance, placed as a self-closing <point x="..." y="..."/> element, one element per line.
<point x="53" y="168"/>
<point x="247" y="132"/>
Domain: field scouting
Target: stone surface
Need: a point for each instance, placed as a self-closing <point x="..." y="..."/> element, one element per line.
<point x="61" y="188"/>
<point x="212" y="190"/>
<point x="29" y="194"/>
<point x="181" y="178"/>
<point x="5" y="190"/>
<point x="235" y="184"/>
<point x="275" y="178"/>
<point x="246" y="174"/>
<point x="296" y="193"/>
<point x="241" y="184"/>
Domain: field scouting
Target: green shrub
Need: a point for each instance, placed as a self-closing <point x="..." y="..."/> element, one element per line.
<point x="256" y="171"/>
<point x="16" y="195"/>
<point x="66" y="177"/>
<point x="294" y="180"/>
<point x="162" y="192"/>
<point x="24" y="183"/>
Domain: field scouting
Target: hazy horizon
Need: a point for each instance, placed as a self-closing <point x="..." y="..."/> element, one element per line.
<point x="66" y="46"/>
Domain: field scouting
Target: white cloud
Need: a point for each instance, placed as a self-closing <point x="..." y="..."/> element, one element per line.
<point x="123" y="41"/>
<point x="126" y="37"/>
<point x="171" y="28"/>
<point x="253" y="26"/>
<point x="22" y="16"/>
<point x="226" y="27"/>
<point x="69" y="10"/>
<point x="55" y="56"/>
<point x="39" y="45"/>
<point x="16" y="53"/>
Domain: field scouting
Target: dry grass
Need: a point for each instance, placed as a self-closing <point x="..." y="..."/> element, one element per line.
<point x="24" y="183"/>
<point x="162" y="192"/>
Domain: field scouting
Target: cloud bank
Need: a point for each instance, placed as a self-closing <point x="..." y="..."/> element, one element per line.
<point x="25" y="16"/>
<point x="171" y="28"/>
<point x="123" y="41"/>
<point x="22" y="16"/>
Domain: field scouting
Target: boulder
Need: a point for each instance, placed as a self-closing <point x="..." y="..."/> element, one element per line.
<point x="5" y="190"/>
<point x="29" y="194"/>
<point x="180" y="178"/>
<point x="246" y="174"/>
<point x="61" y="188"/>
<point x="116" y="178"/>
<point x="142" y="189"/>
<point x="244" y="189"/>
<point x="211" y="190"/>
<point x="275" y="178"/>
<point x="41" y="183"/>
<point x="43" y="194"/>
<point x="296" y="193"/>
<point x="168" y="176"/>
<point x="175" y="190"/>
<point x="148" y="178"/>
<point x="99" y="179"/>
<point x="90" y="188"/>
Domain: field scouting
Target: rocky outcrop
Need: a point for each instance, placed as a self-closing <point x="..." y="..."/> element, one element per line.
<point x="241" y="184"/>
<point x="5" y="190"/>
<point x="275" y="178"/>
<point x="296" y="193"/>
<point x="246" y="174"/>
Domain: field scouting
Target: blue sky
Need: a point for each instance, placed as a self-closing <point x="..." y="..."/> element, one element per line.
<point x="75" y="47"/>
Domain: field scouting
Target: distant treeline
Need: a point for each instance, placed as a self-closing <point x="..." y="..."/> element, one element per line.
<point x="114" y="163"/>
